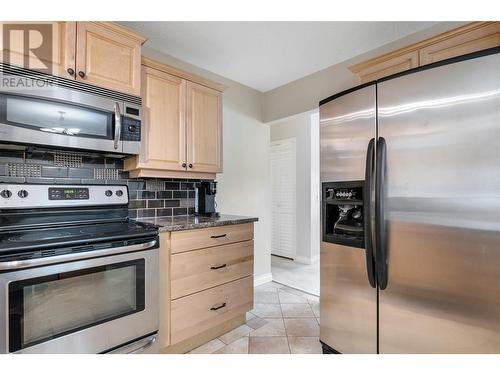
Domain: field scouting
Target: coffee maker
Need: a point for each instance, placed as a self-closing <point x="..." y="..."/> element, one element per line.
<point x="205" y="199"/>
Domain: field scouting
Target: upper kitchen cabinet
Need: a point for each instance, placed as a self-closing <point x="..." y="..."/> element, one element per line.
<point x="100" y="53"/>
<point x="44" y="46"/>
<point x="164" y="137"/>
<point x="476" y="37"/>
<point x="473" y="37"/>
<point x="109" y="55"/>
<point x="182" y="126"/>
<point x="204" y="128"/>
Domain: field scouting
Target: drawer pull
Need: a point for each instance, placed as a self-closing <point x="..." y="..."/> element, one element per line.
<point x="218" y="267"/>
<point x="218" y="307"/>
<point x="219" y="236"/>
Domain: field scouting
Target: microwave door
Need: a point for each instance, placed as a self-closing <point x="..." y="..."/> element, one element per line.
<point x="44" y="121"/>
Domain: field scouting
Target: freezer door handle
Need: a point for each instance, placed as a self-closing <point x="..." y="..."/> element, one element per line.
<point x="380" y="223"/>
<point x="367" y="194"/>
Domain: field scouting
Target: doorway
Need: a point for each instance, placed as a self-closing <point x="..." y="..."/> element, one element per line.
<point x="296" y="223"/>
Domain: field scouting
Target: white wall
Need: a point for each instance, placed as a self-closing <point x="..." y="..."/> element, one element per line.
<point x="299" y="127"/>
<point x="243" y="187"/>
<point x="315" y="188"/>
<point x="305" y="93"/>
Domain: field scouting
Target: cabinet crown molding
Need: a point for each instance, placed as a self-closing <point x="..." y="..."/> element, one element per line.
<point x="122" y="30"/>
<point x="182" y="74"/>
<point x="356" y="68"/>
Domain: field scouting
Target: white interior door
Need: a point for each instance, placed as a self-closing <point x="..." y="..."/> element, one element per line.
<point x="283" y="170"/>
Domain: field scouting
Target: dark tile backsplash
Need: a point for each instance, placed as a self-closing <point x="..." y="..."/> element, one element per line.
<point x="149" y="197"/>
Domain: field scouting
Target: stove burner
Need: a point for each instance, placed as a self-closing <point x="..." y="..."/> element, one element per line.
<point x="38" y="236"/>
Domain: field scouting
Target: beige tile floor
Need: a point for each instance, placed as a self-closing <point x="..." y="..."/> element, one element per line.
<point x="284" y="321"/>
<point x="300" y="276"/>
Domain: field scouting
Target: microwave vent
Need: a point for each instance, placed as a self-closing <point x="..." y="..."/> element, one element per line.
<point x="63" y="159"/>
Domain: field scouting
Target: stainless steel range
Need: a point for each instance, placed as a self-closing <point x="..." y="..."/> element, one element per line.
<point x="76" y="276"/>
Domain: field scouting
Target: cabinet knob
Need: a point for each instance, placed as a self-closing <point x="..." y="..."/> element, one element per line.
<point x="71" y="72"/>
<point x="81" y="74"/>
<point x="190" y="165"/>
<point x="183" y="165"/>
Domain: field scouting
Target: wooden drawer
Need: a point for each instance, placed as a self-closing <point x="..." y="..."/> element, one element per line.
<point x="208" y="237"/>
<point x="198" y="312"/>
<point x="197" y="270"/>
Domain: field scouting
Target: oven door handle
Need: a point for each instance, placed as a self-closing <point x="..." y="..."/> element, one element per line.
<point x="118" y="125"/>
<point x="28" y="263"/>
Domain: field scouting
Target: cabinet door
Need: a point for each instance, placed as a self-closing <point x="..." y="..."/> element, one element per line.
<point x="108" y="57"/>
<point x="50" y="46"/>
<point x="164" y="145"/>
<point x="386" y="67"/>
<point x="204" y="129"/>
<point x="483" y="37"/>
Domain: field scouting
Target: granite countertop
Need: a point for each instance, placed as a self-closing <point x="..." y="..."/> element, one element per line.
<point x="175" y="223"/>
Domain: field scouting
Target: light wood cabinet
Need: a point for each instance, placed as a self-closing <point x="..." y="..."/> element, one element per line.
<point x="385" y="67"/>
<point x="53" y="44"/>
<point x="206" y="287"/>
<point x="473" y="37"/>
<point x="164" y="134"/>
<point x="109" y="55"/>
<point x="182" y="136"/>
<point x="483" y="36"/>
<point x="100" y="53"/>
<point x="204" y="128"/>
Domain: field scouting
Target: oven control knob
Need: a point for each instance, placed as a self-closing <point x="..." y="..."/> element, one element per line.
<point x="108" y="193"/>
<point x="119" y="193"/>
<point x="6" y="194"/>
<point x="22" y="193"/>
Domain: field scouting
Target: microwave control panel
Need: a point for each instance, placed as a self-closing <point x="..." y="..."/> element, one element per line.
<point x="131" y="129"/>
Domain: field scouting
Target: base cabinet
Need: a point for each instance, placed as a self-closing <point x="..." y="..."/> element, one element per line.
<point x="206" y="287"/>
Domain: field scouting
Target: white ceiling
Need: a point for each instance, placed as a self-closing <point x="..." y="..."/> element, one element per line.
<point x="265" y="55"/>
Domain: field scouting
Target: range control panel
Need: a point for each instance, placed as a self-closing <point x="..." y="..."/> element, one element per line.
<point x="18" y="196"/>
<point x="57" y="193"/>
<point x="344" y="193"/>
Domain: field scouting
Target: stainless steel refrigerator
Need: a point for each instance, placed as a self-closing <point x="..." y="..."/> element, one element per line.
<point x="410" y="172"/>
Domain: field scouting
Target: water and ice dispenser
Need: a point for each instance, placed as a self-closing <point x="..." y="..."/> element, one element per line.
<point x="343" y="213"/>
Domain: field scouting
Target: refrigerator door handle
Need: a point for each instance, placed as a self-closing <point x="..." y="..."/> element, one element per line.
<point x="380" y="222"/>
<point x="370" y="260"/>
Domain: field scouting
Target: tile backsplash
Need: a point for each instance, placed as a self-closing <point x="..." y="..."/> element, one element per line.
<point x="149" y="197"/>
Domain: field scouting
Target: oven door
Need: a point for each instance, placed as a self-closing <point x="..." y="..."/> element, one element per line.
<point x="85" y="306"/>
<point x="63" y="118"/>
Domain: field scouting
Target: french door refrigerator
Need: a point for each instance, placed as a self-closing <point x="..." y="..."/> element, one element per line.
<point x="410" y="172"/>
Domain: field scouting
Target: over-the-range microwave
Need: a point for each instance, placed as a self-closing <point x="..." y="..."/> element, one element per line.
<point x="67" y="114"/>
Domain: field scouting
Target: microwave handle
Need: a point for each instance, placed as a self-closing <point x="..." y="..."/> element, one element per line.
<point x="118" y="124"/>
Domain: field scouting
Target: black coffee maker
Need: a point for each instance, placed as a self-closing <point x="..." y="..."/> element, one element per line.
<point x="205" y="199"/>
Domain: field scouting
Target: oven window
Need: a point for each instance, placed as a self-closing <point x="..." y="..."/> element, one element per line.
<point x="54" y="117"/>
<point x="43" y="308"/>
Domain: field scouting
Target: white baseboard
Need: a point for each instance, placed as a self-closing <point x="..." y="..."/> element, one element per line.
<point x="262" y="279"/>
